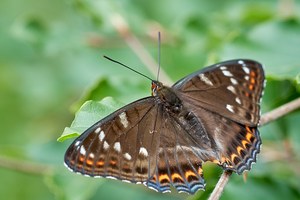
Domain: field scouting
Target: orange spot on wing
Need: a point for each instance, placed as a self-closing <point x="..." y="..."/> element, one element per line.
<point x="239" y="149"/>
<point x="89" y="162"/>
<point x="244" y="142"/>
<point x="176" y="176"/>
<point x="249" y="136"/>
<point x="81" y="158"/>
<point x="233" y="156"/>
<point x="163" y="178"/>
<point x="100" y="164"/>
<point x="189" y="174"/>
<point x="248" y="129"/>
<point x="251" y="87"/>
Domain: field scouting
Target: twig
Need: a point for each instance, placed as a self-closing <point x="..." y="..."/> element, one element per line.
<point x="24" y="166"/>
<point x="280" y="111"/>
<point x="266" y="118"/>
<point x="215" y="195"/>
<point x="121" y="26"/>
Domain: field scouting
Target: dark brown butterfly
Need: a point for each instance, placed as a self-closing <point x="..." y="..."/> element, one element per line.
<point x="162" y="140"/>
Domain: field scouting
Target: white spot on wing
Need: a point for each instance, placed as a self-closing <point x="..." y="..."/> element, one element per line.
<point x="127" y="156"/>
<point x="91" y="155"/>
<point x="223" y="68"/>
<point x="101" y="136"/>
<point x="230" y="108"/>
<point x="246" y="70"/>
<point x="227" y="73"/>
<point x="117" y="146"/>
<point x="123" y="119"/>
<point x="82" y="150"/>
<point x="105" y="145"/>
<point x="241" y="62"/>
<point x="143" y="151"/>
<point x="233" y="81"/>
<point x="238" y="100"/>
<point x="231" y="89"/>
<point x="98" y="130"/>
<point x="111" y="177"/>
<point x="152" y="188"/>
<point x="246" y="78"/>
<point x="77" y="143"/>
<point x="205" y="79"/>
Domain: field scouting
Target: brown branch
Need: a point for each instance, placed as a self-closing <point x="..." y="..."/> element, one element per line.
<point x="265" y="119"/>
<point x="280" y="111"/>
<point x="24" y="166"/>
<point x="121" y="26"/>
<point x="215" y="195"/>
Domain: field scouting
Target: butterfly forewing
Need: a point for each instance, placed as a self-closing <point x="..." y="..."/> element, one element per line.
<point x="232" y="89"/>
<point x="118" y="146"/>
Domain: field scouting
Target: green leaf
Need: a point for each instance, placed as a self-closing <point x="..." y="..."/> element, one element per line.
<point x="89" y="113"/>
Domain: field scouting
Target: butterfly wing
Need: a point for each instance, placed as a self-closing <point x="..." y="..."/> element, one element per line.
<point x="225" y="98"/>
<point x="178" y="161"/>
<point x="232" y="89"/>
<point x="119" y="145"/>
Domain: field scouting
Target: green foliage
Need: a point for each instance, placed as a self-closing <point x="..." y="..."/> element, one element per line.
<point x="50" y="63"/>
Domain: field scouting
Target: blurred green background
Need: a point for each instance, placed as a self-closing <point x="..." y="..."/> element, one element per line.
<point x="50" y="63"/>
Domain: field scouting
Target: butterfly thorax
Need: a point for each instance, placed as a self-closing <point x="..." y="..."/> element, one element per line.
<point x="167" y="97"/>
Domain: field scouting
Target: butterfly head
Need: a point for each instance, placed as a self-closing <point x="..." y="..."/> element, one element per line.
<point x="155" y="87"/>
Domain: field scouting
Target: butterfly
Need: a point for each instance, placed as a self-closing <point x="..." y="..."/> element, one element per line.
<point x="163" y="140"/>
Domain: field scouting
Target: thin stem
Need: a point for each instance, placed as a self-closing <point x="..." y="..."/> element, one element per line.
<point x="280" y="111"/>
<point x="215" y="195"/>
<point x="24" y="166"/>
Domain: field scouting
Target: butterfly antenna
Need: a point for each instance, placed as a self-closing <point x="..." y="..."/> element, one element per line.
<point x="108" y="58"/>
<point x="158" y="56"/>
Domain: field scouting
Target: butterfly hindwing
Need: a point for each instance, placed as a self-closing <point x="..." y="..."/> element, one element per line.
<point x="234" y="145"/>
